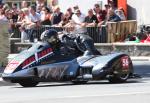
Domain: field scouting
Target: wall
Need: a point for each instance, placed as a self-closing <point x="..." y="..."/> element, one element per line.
<point x="4" y="43"/>
<point x="139" y="9"/>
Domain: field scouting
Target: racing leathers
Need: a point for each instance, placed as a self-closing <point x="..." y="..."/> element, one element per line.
<point x="82" y="41"/>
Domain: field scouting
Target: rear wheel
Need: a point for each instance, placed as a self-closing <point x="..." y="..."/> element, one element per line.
<point x="120" y="78"/>
<point x="28" y="83"/>
<point x="121" y="70"/>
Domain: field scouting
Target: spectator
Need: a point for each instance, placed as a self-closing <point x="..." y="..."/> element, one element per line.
<point x="8" y="14"/>
<point x="3" y="18"/>
<point x="121" y="14"/>
<point x="26" y="20"/>
<point x="24" y="4"/>
<point x="21" y="17"/>
<point x="24" y="35"/>
<point x="66" y="19"/>
<point x="112" y="6"/>
<point x="91" y="19"/>
<point x="107" y="7"/>
<point x="78" y="19"/>
<point x="32" y="20"/>
<point x="11" y="20"/>
<point x="39" y="5"/>
<point x="46" y="16"/>
<point x="112" y="17"/>
<point x="14" y="7"/>
<point x="24" y="24"/>
<point x="1" y="4"/>
<point x="69" y="10"/>
<point x="6" y="7"/>
<point x="57" y="16"/>
<point x="101" y="14"/>
<point x="34" y="17"/>
<point x="76" y="7"/>
<point x="35" y="22"/>
<point x="16" y="24"/>
<point x="53" y="4"/>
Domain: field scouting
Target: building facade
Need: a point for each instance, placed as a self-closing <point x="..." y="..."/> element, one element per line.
<point x="139" y="10"/>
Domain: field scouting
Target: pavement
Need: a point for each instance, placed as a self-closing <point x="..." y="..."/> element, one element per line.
<point x="93" y="92"/>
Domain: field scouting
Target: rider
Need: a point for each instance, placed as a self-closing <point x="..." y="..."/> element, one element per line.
<point x="51" y="36"/>
<point x="85" y="41"/>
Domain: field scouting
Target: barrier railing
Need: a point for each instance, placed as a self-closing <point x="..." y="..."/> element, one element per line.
<point x="98" y="34"/>
<point x="118" y="31"/>
<point x="113" y="32"/>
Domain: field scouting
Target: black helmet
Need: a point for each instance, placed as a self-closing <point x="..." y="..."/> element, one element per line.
<point x="50" y="36"/>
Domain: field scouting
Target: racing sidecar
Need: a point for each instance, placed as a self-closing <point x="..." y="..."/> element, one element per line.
<point x="41" y="64"/>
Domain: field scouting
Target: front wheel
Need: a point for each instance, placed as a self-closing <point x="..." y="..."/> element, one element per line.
<point x="27" y="83"/>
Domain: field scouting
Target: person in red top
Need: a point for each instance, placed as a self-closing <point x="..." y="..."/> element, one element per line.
<point x="100" y="14"/>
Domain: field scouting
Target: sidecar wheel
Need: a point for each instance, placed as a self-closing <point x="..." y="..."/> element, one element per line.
<point x="79" y="82"/>
<point x="26" y="83"/>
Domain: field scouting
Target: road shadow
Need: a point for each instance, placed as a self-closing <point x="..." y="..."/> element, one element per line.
<point x="3" y="83"/>
<point x="103" y="82"/>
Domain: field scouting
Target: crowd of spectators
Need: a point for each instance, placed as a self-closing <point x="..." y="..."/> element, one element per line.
<point x="33" y="16"/>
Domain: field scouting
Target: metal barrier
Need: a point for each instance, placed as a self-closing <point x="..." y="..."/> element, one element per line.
<point x="98" y="34"/>
<point x="113" y="32"/>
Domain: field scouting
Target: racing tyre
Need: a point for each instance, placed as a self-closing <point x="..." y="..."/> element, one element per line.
<point x="27" y="83"/>
<point x="120" y="74"/>
<point x="119" y="78"/>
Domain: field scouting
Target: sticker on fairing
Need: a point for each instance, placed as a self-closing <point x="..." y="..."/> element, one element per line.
<point x="125" y="61"/>
<point x="11" y="66"/>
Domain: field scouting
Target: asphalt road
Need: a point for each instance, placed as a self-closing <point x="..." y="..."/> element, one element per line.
<point x="135" y="90"/>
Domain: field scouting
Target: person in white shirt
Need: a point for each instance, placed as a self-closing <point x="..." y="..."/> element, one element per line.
<point x="78" y="19"/>
<point x="31" y="21"/>
<point x="35" y="22"/>
<point x="34" y="16"/>
<point x="24" y="25"/>
<point x="3" y="18"/>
